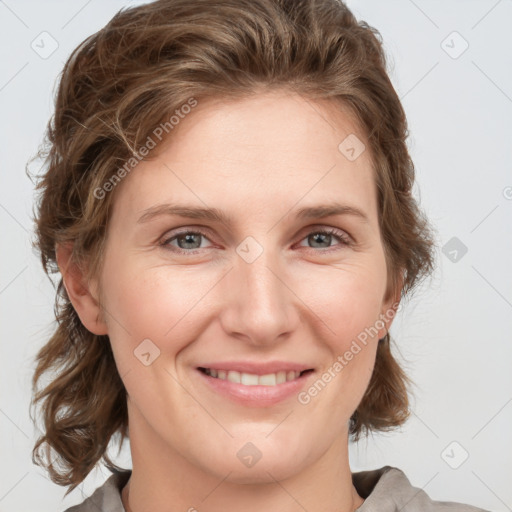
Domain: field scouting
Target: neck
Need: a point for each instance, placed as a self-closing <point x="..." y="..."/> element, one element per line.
<point x="163" y="480"/>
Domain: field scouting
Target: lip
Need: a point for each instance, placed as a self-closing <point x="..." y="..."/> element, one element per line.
<point x="256" y="396"/>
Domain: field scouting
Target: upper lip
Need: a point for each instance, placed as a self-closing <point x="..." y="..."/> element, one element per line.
<point x="257" y="368"/>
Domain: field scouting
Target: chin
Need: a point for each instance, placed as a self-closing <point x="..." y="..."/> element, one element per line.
<point x="263" y="472"/>
<point x="262" y="460"/>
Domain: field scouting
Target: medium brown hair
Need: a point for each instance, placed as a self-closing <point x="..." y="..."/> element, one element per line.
<point x="130" y="77"/>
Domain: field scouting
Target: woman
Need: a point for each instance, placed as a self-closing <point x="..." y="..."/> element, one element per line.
<point x="228" y="201"/>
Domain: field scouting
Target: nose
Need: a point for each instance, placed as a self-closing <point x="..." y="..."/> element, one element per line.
<point x="259" y="305"/>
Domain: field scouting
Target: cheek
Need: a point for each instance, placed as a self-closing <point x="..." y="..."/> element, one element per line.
<point x="348" y="302"/>
<point x="347" y="299"/>
<point x="160" y="304"/>
<point x="171" y="305"/>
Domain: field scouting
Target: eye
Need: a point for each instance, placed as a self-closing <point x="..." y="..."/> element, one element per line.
<point x="322" y="238"/>
<point x="186" y="241"/>
<point x="190" y="242"/>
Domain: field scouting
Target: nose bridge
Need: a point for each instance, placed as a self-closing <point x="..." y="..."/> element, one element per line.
<point x="260" y="305"/>
<point x="263" y="288"/>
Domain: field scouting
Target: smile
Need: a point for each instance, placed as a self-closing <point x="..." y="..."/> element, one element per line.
<point x="252" y="379"/>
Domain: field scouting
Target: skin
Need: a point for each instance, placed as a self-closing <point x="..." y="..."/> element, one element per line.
<point x="258" y="160"/>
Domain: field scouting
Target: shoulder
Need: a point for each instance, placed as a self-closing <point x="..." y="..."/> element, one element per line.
<point x="107" y="497"/>
<point x="388" y="489"/>
<point x="384" y="490"/>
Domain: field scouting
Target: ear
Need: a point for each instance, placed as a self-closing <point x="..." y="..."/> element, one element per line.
<point x="390" y="306"/>
<point x="79" y="290"/>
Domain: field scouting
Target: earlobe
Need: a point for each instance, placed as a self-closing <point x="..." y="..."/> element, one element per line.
<point x="391" y="306"/>
<point x="79" y="290"/>
<point x="387" y="316"/>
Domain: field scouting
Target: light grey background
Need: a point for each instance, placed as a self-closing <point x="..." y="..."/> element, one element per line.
<point x="454" y="336"/>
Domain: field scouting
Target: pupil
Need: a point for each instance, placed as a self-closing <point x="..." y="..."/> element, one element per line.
<point x="323" y="236"/>
<point x="188" y="240"/>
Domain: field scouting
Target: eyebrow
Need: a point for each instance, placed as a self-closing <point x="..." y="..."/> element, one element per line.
<point x="216" y="215"/>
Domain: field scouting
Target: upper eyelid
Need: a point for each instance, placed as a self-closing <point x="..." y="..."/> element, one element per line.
<point x="205" y="229"/>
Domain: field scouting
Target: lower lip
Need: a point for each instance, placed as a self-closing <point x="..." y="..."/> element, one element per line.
<point x="256" y="396"/>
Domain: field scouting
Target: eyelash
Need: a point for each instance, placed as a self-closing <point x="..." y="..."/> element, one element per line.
<point x="342" y="237"/>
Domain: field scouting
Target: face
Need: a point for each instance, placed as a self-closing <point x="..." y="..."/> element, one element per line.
<point x="267" y="285"/>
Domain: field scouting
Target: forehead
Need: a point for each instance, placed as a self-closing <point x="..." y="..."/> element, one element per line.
<point x="268" y="150"/>
<point x="283" y="126"/>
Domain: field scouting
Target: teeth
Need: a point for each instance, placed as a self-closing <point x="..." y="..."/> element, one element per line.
<point x="268" y="380"/>
<point x="250" y="379"/>
<point x="281" y="377"/>
<point x="233" y="377"/>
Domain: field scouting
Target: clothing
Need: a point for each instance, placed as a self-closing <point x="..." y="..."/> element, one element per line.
<point x="384" y="490"/>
